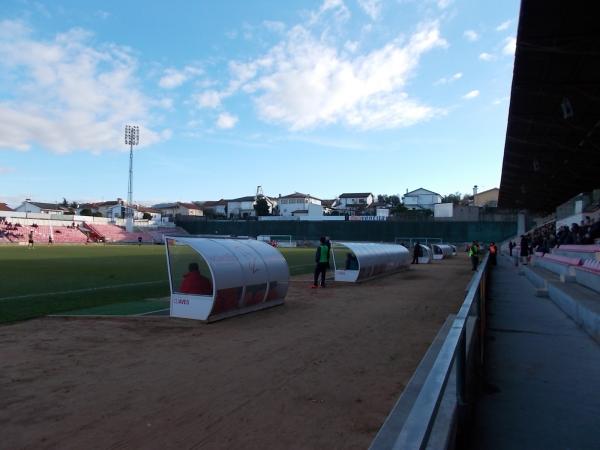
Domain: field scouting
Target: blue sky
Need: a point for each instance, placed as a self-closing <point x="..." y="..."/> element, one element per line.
<point x="321" y="97"/>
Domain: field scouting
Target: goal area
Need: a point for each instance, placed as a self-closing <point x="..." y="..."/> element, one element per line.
<point x="278" y="240"/>
<point x="410" y="241"/>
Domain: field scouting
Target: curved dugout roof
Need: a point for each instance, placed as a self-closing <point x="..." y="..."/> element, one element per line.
<point x="553" y="132"/>
<point x="244" y="275"/>
<point x="372" y="259"/>
<point x="440" y="251"/>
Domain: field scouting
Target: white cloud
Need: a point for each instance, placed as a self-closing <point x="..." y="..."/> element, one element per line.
<point x="351" y="46"/>
<point x="504" y="25"/>
<point x="486" y="56"/>
<point x="510" y="45"/>
<point x="371" y="7"/>
<point x="209" y="99"/>
<point x="305" y="82"/>
<point x="336" y="7"/>
<point x="226" y="121"/>
<point x="174" y="78"/>
<point x="69" y="95"/>
<point x="499" y="101"/>
<point x="471" y="94"/>
<point x="471" y="35"/>
<point x="450" y="79"/>
<point x="274" y="26"/>
<point x="443" y="4"/>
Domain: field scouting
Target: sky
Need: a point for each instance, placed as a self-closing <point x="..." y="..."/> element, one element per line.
<point x="320" y="97"/>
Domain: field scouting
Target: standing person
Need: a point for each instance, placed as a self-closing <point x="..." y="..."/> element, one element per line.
<point x="511" y="245"/>
<point x="416" y="253"/>
<point x="30" y="242"/>
<point x="474" y="255"/>
<point x="322" y="260"/>
<point x="493" y="253"/>
<point x="139" y="241"/>
<point x="524" y="249"/>
<point x="50" y="240"/>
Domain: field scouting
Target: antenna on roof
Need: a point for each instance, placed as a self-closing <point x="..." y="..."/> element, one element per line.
<point x="259" y="193"/>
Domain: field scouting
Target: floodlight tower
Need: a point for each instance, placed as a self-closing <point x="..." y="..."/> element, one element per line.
<point x="132" y="137"/>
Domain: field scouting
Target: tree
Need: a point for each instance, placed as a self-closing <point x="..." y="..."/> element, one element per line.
<point x="147" y="216"/>
<point x="85" y="212"/>
<point x="452" y="198"/>
<point x="74" y="205"/>
<point x="261" y="207"/>
<point x="398" y="209"/>
<point x="393" y="200"/>
<point x="65" y="203"/>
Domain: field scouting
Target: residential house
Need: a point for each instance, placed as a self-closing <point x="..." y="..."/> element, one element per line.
<point x="299" y="204"/>
<point x="172" y="210"/>
<point x="242" y="207"/>
<point x="216" y="208"/>
<point x="487" y="198"/>
<point x="421" y="199"/>
<point x="5" y="207"/>
<point x="155" y="214"/>
<point x="113" y="209"/>
<point x="354" y="203"/>
<point x="40" y="208"/>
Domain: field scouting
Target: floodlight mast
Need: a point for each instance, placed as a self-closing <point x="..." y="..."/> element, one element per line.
<point x="132" y="137"/>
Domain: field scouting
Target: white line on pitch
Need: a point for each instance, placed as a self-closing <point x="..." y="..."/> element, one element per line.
<point x="75" y="291"/>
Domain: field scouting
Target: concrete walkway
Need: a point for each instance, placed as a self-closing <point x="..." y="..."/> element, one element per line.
<point x="542" y="375"/>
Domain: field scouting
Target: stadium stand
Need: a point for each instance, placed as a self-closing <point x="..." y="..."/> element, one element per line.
<point x="16" y="233"/>
<point x="114" y="233"/>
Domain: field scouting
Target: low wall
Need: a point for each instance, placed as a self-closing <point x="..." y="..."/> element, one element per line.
<point x="376" y="231"/>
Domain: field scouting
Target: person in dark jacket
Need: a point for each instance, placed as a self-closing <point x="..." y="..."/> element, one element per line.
<point x="416" y="253"/>
<point x="194" y="282"/>
<point x="322" y="260"/>
<point x="524" y="249"/>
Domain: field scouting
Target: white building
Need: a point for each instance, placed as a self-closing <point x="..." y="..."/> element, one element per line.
<point x="39" y="208"/>
<point x="215" y="208"/>
<point x="353" y="203"/>
<point x="421" y="199"/>
<point x="178" y="209"/>
<point x="241" y="207"/>
<point x="299" y="204"/>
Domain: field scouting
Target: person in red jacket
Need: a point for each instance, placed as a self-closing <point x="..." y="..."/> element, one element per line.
<point x="194" y="282"/>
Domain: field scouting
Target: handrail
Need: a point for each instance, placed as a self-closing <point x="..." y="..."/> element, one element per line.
<point x="419" y="422"/>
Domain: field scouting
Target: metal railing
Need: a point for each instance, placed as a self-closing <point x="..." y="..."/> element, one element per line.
<point x="416" y="428"/>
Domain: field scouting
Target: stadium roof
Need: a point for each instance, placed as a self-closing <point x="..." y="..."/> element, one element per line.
<point x="5" y="207"/>
<point x="552" y="148"/>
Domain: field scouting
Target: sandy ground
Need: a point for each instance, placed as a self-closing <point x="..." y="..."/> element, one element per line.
<point x="321" y="372"/>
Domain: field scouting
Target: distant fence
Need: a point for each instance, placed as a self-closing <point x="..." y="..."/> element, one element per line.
<point x="432" y="411"/>
<point x="375" y="231"/>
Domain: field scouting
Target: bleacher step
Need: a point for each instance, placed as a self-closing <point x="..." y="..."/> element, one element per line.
<point x="579" y="302"/>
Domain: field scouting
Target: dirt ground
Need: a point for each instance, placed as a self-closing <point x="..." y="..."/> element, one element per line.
<point x="321" y="372"/>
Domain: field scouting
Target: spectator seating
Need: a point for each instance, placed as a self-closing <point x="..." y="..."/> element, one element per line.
<point x="41" y="233"/>
<point x="579" y="251"/>
<point x="560" y="265"/>
<point x="114" y="233"/>
<point x="588" y="274"/>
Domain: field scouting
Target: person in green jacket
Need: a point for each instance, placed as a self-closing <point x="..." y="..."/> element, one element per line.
<point x="474" y="254"/>
<point x="322" y="260"/>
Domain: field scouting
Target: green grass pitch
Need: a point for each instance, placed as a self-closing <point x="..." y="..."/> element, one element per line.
<point x="37" y="282"/>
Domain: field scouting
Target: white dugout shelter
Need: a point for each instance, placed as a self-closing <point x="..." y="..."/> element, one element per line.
<point x="441" y="251"/>
<point x="214" y="278"/>
<point x="359" y="261"/>
<point x="426" y="254"/>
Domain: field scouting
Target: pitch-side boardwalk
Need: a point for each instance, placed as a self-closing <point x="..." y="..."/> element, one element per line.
<point x="542" y="373"/>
